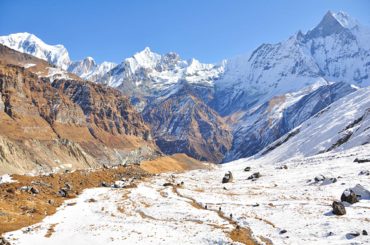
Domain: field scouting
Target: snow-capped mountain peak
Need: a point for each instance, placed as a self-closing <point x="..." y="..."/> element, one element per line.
<point x="145" y="58"/>
<point x="147" y="72"/>
<point x="344" y="19"/>
<point x="88" y="69"/>
<point x="30" y="44"/>
<point x="333" y="23"/>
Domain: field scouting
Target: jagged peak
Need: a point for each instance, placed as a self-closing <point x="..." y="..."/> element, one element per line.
<point x="331" y="23"/>
<point x="145" y="52"/>
<point x="145" y="58"/>
<point x="344" y="19"/>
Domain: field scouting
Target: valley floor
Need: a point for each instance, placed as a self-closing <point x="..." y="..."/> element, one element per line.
<point x="283" y="206"/>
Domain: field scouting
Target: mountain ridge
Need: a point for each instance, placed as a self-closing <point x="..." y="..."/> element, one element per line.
<point x="272" y="77"/>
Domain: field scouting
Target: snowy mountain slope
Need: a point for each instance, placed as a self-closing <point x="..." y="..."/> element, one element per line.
<point x="283" y="206"/>
<point x="147" y="73"/>
<point x="333" y="51"/>
<point x="56" y="55"/>
<point x="342" y="125"/>
<point x="30" y="44"/>
<point x="33" y="64"/>
<point x="281" y="114"/>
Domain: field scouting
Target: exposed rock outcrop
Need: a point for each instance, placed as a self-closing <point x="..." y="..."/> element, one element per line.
<point x="182" y="122"/>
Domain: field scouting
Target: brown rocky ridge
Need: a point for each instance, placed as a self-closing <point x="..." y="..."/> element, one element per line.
<point x="65" y="124"/>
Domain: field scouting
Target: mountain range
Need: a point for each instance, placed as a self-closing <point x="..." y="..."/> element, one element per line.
<point x="261" y="103"/>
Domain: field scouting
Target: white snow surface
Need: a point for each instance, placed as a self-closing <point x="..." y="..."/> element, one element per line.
<point x="6" y="178"/>
<point x="347" y="117"/>
<point x="281" y="199"/>
<point x="30" y="44"/>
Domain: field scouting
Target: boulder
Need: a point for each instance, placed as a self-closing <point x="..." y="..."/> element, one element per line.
<point x="33" y="190"/>
<point x="119" y="184"/>
<point x="364" y="172"/>
<point x="319" y="178"/>
<point x="3" y="241"/>
<point x="227" y="178"/>
<point x="104" y="184"/>
<point x="63" y="192"/>
<point x="254" y="176"/>
<point x="283" y="231"/>
<point x="338" y="208"/>
<point x="352" y="235"/>
<point x="29" y="189"/>
<point x="364" y="233"/>
<point x="167" y="184"/>
<point x="349" y="196"/>
<point x="361" y="160"/>
<point x="247" y="169"/>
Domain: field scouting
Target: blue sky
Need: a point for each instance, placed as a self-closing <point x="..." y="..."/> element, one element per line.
<point x="207" y="30"/>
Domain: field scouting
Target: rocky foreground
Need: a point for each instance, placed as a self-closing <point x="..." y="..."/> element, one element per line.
<point x="246" y="201"/>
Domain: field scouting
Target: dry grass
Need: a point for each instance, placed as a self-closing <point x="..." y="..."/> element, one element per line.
<point x="50" y="230"/>
<point x="173" y="163"/>
<point x="242" y="235"/>
<point x="20" y="209"/>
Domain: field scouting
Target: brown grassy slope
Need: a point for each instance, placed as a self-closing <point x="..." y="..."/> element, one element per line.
<point x="20" y="209"/>
<point x="173" y="163"/>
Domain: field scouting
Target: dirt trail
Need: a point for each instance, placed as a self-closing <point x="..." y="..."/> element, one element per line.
<point x="238" y="234"/>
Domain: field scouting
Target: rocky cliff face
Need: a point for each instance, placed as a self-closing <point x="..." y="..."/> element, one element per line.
<point x="109" y="115"/>
<point x="182" y="122"/>
<point x="42" y="128"/>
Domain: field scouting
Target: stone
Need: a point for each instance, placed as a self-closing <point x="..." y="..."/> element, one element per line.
<point x="247" y="169"/>
<point x="351" y="235"/>
<point x="338" y="208"/>
<point x="361" y="160"/>
<point x="227" y="178"/>
<point x="364" y="233"/>
<point x="3" y="241"/>
<point x="283" y="231"/>
<point x="119" y="184"/>
<point x="254" y="176"/>
<point x="364" y="172"/>
<point x="34" y="190"/>
<point x="349" y="196"/>
<point x="319" y="178"/>
<point x="29" y="189"/>
<point x="63" y="192"/>
<point x="104" y="184"/>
